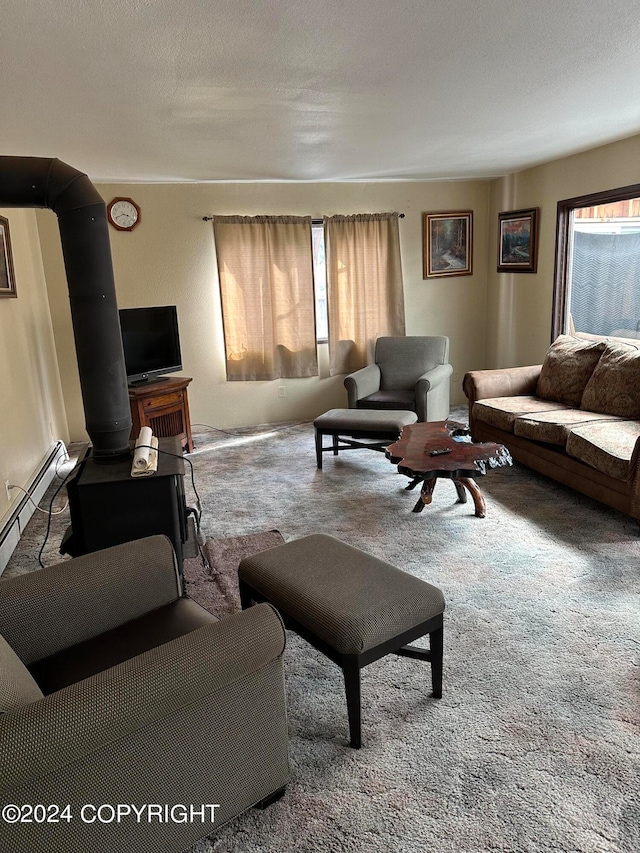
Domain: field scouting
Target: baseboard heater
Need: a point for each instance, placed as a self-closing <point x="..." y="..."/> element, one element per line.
<point x="12" y="525"/>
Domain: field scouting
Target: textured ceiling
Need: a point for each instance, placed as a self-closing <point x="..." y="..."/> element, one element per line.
<point x="180" y="90"/>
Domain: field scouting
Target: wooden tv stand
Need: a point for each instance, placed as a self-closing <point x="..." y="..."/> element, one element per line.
<point x="164" y="407"/>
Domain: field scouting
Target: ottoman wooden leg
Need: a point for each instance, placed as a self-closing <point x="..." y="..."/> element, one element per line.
<point x="246" y="600"/>
<point x="351" y="671"/>
<point x="272" y="798"/>
<point x="433" y="654"/>
<point x="319" y="435"/>
<point x="436" y="648"/>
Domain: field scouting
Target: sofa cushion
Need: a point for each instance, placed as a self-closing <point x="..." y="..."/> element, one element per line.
<point x="614" y="386"/>
<point x="501" y="412"/>
<point x="17" y="687"/>
<point x="607" y="447"/>
<point x="567" y="368"/>
<point x="554" y="427"/>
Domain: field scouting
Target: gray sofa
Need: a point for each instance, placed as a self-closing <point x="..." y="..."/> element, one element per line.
<point x="575" y="418"/>
<point x="116" y="689"/>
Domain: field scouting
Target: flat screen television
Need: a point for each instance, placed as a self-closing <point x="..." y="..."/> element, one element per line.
<point x="151" y="343"/>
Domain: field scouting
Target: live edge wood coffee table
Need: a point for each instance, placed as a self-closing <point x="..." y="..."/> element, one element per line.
<point x="427" y="452"/>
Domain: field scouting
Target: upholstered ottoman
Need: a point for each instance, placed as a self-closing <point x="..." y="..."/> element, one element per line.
<point x="350" y="426"/>
<point x="352" y="607"/>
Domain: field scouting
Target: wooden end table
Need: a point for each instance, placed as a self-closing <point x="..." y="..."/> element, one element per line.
<point x="163" y="406"/>
<point x="463" y="460"/>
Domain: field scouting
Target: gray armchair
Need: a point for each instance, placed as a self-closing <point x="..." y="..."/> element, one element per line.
<point x="410" y="373"/>
<point x="116" y="689"/>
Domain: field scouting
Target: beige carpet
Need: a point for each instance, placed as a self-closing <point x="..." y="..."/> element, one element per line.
<point x="535" y="744"/>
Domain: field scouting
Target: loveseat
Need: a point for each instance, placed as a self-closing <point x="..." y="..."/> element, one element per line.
<point x="574" y="418"/>
<point x="117" y="690"/>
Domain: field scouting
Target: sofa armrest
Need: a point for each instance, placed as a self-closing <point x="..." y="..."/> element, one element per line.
<point x="634" y="480"/>
<point x="44" y="611"/>
<point x="200" y="719"/>
<point x="362" y="383"/>
<point x="503" y="382"/>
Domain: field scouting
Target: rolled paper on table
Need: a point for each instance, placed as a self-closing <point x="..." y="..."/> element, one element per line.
<point x="152" y="463"/>
<point x="143" y="448"/>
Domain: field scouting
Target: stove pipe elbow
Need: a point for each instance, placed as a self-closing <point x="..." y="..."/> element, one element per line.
<point x="82" y="219"/>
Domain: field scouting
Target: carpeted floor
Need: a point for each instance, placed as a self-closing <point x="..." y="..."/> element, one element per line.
<point x="212" y="579"/>
<point x="535" y="745"/>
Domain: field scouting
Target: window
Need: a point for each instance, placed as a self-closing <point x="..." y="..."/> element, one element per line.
<point x="281" y="276"/>
<point x="320" y="281"/>
<point x="597" y="286"/>
<point x="364" y="286"/>
<point x="266" y="287"/>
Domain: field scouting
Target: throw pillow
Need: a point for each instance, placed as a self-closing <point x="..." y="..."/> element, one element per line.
<point x="567" y="368"/>
<point x="614" y="387"/>
<point x="17" y="687"/>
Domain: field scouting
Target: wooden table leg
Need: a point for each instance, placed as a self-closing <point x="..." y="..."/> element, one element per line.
<point x="413" y="484"/>
<point x="476" y="494"/>
<point x="426" y="494"/>
<point x="462" y="492"/>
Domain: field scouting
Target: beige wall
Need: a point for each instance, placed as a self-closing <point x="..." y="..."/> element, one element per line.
<point x="519" y="305"/>
<point x="32" y="406"/>
<point x="493" y="319"/>
<point x="169" y="259"/>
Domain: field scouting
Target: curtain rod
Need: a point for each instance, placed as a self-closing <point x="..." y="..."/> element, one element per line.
<point x="313" y="221"/>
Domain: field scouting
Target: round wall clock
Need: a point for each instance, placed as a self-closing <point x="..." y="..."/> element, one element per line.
<point x="123" y="214"/>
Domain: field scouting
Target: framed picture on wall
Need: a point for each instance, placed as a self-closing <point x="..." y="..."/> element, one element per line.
<point x="7" y="276"/>
<point x="518" y="241"/>
<point x="448" y="244"/>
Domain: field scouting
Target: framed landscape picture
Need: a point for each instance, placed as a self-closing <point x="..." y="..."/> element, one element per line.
<point x="518" y="241"/>
<point x="448" y="244"/>
<point x="7" y="277"/>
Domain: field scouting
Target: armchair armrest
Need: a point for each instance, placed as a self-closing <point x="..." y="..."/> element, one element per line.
<point x="432" y="393"/>
<point x="45" y="611"/>
<point x="362" y="383"/>
<point x="434" y="377"/>
<point x="200" y="719"/>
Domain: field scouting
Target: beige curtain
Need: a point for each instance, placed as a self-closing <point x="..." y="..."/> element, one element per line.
<point x="266" y="282"/>
<point x="364" y="286"/>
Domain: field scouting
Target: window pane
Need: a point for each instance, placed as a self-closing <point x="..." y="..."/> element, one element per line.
<point x="320" y="282"/>
<point x="604" y="269"/>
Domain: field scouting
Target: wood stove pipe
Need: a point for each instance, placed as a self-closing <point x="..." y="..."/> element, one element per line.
<point x="82" y="219"/>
